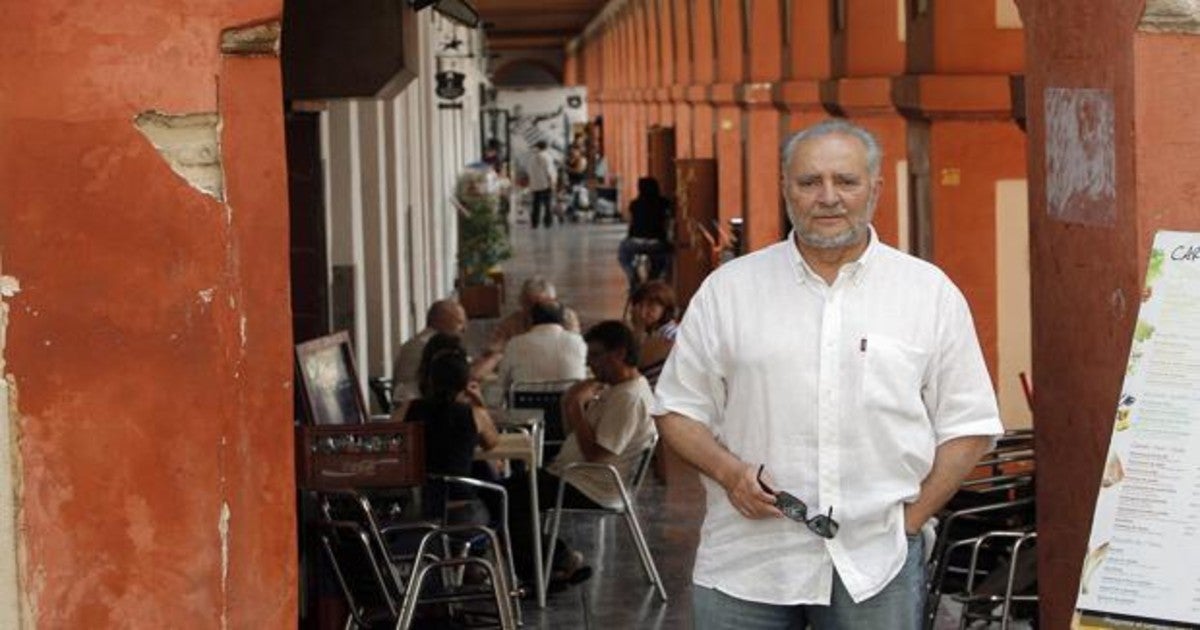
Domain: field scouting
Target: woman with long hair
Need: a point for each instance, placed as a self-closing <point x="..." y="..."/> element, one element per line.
<point x="456" y="422"/>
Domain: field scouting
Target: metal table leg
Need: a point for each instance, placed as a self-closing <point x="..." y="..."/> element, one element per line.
<point x="539" y="575"/>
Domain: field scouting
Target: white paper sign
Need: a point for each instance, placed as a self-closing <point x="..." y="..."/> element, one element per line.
<point x="1142" y="567"/>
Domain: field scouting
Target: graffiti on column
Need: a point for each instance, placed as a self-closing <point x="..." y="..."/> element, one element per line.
<point x="1080" y="156"/>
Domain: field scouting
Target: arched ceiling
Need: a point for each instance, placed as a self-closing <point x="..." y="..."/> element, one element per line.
<point x="526" y="24"/>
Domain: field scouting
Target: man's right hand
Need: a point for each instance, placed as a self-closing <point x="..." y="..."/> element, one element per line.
<point x="746" y="496"/>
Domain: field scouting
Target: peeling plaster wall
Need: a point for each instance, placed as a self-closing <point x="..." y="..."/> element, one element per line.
<point x="10" y="602"/>
<point x="151" y="338"/>
<point x="1171" y="16"/>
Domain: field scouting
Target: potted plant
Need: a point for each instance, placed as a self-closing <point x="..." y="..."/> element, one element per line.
<point x="482" y="242"/>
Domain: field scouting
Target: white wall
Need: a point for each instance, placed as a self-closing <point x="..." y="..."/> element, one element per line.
<point x="390" y="167"/>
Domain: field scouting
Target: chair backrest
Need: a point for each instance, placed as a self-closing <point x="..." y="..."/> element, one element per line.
<point x="643" y="464"/>
<point x="544" y="395"/>
<point x="364" y="579"/>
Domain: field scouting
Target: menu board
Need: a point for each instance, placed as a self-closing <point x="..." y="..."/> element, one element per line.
<point x="1142" y="568"/>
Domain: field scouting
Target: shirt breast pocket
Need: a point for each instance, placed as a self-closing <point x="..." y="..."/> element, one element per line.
<point x="893" y="374"/>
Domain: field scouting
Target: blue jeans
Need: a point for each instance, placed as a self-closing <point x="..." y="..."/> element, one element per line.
<point x="897" y="607"/>
<point x="658" y="251"/>
<point x="541" y="207"/>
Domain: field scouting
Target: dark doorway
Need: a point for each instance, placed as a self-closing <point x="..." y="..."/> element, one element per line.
<point x="306" y="197"/>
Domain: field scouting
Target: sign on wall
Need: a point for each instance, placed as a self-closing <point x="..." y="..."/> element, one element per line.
<point x="1140" y="569"/>
<point x="542" y="114"/>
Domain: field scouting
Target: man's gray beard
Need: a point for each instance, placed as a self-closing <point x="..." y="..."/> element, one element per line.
<point x="856" y="233"/>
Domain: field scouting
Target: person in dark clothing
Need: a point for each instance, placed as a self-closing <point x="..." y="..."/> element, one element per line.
<point x="456" y="421"/>
<point x="649" y="216"/>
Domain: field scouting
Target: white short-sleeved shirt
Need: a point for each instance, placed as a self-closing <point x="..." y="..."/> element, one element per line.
<point x="620" y="418"/>
<point x="548" y="352"/>
<point x="843" y="392"/>
<point x="405" y="380"/>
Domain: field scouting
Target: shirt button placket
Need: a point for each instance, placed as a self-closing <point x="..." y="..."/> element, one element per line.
<point x="829" y="400"/>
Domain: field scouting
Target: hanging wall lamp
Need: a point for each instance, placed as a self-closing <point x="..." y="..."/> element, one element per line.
<point x="460" y="11"/>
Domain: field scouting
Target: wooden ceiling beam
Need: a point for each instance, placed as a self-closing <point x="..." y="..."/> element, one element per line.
<point x="527" y="41"/>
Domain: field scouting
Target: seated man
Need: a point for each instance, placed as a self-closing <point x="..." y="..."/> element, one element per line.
<point x="548" y="352"/>
<point x="535" y="289"/>
<point x="444" y="316"/>
<point x="608" y="419"/>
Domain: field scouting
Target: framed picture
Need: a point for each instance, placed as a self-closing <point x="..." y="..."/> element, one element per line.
<point x="328" y="381"/>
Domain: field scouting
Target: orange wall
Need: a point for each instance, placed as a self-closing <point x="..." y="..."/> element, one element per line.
<point x="873" y="46"/>
<point x="966" y="40"/>
<point x="964" y="210"/>
<point x="150" y="344"/>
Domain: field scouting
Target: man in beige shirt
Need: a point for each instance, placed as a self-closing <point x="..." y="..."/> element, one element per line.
<point x="608" y="421"/>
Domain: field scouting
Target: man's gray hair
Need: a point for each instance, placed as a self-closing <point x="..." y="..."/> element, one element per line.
<point x="833" y="126"/>
<point x="539" y="286"/>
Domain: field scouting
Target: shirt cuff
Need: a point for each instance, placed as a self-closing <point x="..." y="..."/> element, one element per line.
<point x="693" y="413"/>
<point x="988" y="427"/>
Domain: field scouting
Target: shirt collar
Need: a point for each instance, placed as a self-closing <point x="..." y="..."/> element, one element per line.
<point x="854" y="270"/>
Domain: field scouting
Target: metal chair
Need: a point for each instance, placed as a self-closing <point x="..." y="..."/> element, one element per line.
<point x="502" y="519"/>
<point x="626" y="509"/>
<point x="547" y="396"/>
<point x="980" y="598"/>
<point x="999" y="497"/>
<point x="383" y="569"/>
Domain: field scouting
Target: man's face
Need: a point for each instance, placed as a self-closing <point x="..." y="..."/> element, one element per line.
<point x="601" y="362"/>
<point x="830" y="192"/>
<point x="459" y="319"/>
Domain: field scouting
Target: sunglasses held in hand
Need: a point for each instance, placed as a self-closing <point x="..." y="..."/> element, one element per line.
<point x="792" y="507"/>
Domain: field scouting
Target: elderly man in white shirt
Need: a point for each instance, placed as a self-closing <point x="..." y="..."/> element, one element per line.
<point x="547" y="352"/>
<point x="853" y="401"/>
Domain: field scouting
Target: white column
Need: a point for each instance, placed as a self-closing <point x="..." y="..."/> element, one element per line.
<point x="398" y="218"/>
<point x="375" y="238"/>
<point x="357" y="245"/>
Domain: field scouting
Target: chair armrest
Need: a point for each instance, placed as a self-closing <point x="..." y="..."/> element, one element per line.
<point x="609" y="468"/>
<point x="472" y="483"/>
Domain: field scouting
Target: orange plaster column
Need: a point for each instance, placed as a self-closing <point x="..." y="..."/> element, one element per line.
<point x="763" y="209"/>
<point x="729" y="130"/>
<point x="141" y="504"/>
<point x="703" y="62"/>
<point x="808" y="58"/>
<point x="682" y="35"/>
<point x="1123" y="97"/>
<point x="666" y="60"/>
<point x="764" y="218"/>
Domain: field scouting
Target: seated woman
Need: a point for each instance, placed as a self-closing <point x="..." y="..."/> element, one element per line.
<point x="653" y="312"/>
<point x="456" y="421"/>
